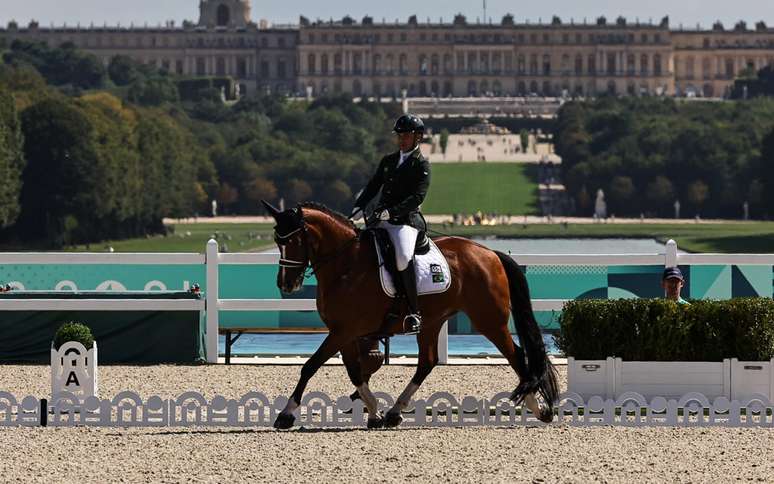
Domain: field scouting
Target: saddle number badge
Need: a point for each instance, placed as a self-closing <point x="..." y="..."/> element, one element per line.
<point x="437" y="272"/>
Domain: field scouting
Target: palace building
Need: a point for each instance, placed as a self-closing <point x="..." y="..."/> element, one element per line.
<point x="457" y="58"/>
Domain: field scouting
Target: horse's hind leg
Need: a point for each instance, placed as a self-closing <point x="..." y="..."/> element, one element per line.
<point x="427" y="341"/>
<point x="350" y="353"/>
<point x="501" y="337"/>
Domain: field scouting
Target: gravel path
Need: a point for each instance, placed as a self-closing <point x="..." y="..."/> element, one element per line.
<point x="531" y="454"/>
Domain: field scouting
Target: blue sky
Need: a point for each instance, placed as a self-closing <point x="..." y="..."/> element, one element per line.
<point x="688" y="12"/>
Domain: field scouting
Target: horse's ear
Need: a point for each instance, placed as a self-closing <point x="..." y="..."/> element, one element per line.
<point x="273" y="211"/>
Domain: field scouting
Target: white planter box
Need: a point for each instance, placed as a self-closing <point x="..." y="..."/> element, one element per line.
<point x="749" y="378"/>
<point x="673" y="379"/>
<point x="74" y="370"/>
<point x="589" y="378"/>
<point x="613" y="377"/>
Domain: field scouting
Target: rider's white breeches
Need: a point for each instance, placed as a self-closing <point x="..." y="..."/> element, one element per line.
<point x="404" y="239"/>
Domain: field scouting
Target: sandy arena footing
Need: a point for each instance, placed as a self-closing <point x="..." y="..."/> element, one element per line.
<point x="515" y="454"/>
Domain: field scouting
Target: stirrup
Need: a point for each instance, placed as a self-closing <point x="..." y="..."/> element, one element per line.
<point x="412" y="324"/>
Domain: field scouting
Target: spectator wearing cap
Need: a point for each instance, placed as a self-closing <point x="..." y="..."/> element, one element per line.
<point x="672" y="282"/>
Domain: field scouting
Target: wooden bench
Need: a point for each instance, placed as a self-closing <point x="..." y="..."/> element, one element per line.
<point x="237" y="332"/>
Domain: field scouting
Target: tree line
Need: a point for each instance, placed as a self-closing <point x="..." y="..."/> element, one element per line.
<point x="648" y="153"/>
<point x="91" y="152"/>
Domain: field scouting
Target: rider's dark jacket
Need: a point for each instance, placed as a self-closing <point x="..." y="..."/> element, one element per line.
<point x="403" y="187"/>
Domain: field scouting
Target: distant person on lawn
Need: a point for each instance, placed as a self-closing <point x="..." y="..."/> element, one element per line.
<point x="672" y="282"/>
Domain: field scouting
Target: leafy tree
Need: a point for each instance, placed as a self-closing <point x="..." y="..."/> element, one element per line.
<point x="297" y="191"/>
<point x="621" y="192"/>
<point x="11" y="160"/>
<point x="227" y="196"/>
<point x="60" y="66"/>
<point x="61" y="183"/>
<point x="524" y="136"/>
<point x="256" y="190"/>
<point x="123" y="70"/>
<point x="154" y="91"/>
<point x="660" y="194"/>
<point x="767" y="169"/>
<point x="444" y="140"/>
<point x="697" y="193"/>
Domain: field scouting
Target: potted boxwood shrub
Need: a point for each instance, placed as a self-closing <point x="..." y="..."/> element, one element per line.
<point x="71" y="370"/>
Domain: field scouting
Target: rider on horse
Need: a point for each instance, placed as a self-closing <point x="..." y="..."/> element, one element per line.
<point x="404" y="177"/>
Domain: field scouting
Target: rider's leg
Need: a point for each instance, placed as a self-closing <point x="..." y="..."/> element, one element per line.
<point x="404" y="239"/>
<point x="413" y="320"/>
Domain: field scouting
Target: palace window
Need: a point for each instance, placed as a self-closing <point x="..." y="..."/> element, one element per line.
<point x="311" y="63"/>
<point x="281" y="68"/>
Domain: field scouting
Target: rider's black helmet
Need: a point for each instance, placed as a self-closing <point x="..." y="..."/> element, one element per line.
<point x="409" y="123"/>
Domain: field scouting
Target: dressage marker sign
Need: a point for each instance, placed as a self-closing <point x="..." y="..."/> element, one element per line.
<point x="254" y="409"/>
<point x="74" y="370"/>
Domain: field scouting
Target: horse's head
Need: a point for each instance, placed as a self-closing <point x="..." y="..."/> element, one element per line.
<point x="290" y="234"/>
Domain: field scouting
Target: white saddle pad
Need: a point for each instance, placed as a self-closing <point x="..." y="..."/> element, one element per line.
<point x="433" y="274"/>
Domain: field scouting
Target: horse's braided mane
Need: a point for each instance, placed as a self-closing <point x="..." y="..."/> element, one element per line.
<point x="333" y="213"/>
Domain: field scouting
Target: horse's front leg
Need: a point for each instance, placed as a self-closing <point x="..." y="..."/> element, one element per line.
<point x="351" y="356"/>
<point x="332" y="343"/>
<point x="427" y="341"/>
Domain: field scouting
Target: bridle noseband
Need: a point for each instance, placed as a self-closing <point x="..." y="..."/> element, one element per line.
<point x="283" y="240"/>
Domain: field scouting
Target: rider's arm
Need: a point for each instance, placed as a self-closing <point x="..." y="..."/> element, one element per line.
<point x="373" y="186"/>
<point x="413" y="201"/>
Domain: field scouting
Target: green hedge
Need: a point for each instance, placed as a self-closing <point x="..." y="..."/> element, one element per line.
<point x="662" y="330"/>
<point x="73" y="331"/>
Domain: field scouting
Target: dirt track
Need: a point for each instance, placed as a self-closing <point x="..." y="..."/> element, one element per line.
<point x="545" y="454"/>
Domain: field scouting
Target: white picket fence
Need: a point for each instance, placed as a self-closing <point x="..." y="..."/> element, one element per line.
<point x="442" y="409"/>
<point x="212" y="259"/>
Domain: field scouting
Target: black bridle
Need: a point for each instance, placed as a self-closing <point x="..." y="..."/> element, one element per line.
<point x="308" y="268"/>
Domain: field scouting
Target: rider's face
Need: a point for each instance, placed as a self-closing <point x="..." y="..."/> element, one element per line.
<point x="406" y="141"/>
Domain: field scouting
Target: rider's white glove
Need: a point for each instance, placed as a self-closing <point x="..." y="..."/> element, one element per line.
<point x="384" y="215"/>
<point x="357" y="213"/>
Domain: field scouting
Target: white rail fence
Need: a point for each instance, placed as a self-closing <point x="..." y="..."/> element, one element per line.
<point x="213" y="304"/>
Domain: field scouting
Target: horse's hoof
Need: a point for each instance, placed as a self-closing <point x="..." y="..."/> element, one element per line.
<point x="392" y="419"/>
<point x="375" y="422"/>
<point x="284" y="421"/>
<point x="546" y="415"/>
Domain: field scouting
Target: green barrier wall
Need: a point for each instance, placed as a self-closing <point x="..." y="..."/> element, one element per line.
<point x="259" y="281"/>
<point x="134" y="337"/>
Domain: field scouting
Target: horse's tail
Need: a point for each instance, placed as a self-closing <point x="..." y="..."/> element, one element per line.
<point x="541" y="374"/>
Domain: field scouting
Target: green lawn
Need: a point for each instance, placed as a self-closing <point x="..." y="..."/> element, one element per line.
<point x="731" y="237"/>
<point x="194" y="237"/>
<point x="489" y="187"/>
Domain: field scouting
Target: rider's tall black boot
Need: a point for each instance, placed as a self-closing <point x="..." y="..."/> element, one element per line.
<point x="413" y="321"/>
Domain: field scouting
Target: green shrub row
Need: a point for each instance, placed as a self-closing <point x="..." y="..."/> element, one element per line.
<point x="662" y="330"/>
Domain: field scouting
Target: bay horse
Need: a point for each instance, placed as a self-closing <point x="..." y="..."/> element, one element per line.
<point x="485" y="284"/>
